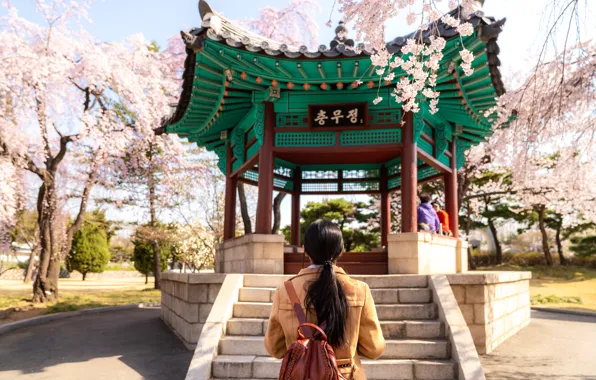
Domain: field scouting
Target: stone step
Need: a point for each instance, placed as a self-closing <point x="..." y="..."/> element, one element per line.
<point x="391" y="329"/>
<point x="243" y="345"/>
<point x="412" y="329"/>
<point x="385" y="312"/>
<point x="416" y="349"/>
<point x="381" y="295"/>
<point x="395" y="349"/>
<point x="397" y="369"/>
<point x="256" y="294"/>
<point x="252" y="310"/>
<point x="407" y="312"/>
<point x="255" y="367"/>
<point x="247" y="326"/>
<point x="374" y="282"/>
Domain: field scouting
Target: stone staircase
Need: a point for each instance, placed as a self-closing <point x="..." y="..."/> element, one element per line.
<point x="417" y="348"/>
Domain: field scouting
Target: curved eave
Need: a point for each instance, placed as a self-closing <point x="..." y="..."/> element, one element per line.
<point x="221" y="82"/>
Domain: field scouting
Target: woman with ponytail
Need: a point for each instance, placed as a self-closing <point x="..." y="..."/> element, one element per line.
<point x="341" y="306"/>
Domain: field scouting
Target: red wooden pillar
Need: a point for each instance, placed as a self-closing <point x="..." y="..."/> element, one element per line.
<point x="265" y="198"/>
<point x="409" y="176"/>
<point x="451" y="204"/>
<point x="230" y="197"/>
<point x="295" y="227"/>
<point x="385" y="207"/>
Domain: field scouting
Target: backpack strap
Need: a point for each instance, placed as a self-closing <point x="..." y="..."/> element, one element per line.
<point x="295" y="301"/>
<point x="296" y="304"/>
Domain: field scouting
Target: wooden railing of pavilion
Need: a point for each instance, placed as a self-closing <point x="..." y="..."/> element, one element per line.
<point x="351" y="262"/>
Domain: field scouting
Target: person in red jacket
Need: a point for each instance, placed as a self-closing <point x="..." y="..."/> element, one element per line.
<point x="443" y="218"/>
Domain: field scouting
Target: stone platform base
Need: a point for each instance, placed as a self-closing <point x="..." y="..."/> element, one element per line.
<point x="495" y="305"/>
<point x="254" y="253"/>
<point x="426" y="253"/>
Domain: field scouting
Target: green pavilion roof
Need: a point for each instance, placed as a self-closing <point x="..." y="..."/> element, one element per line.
<point x="229" y="72"/>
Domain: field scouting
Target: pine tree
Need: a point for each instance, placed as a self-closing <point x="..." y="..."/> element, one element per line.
<point x="144" y="260"/>
<point x="90" y="250"/>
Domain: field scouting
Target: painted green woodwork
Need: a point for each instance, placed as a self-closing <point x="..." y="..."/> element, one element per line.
<point x="444" y="160"/>
<point x="440" y="139"/>
<point x="392" y="183"/>
<point x="425" y="145"/>
<point x="294" y="139"/>
<point x="370" y="137"/>
<point x="230" y="85"/>
<point x="419" y="126"/>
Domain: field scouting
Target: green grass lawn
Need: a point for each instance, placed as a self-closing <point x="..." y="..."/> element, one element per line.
<point x="19" y="300"/>
<point x="569" y="287"/>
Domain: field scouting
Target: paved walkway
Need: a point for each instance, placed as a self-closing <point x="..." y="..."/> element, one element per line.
<point x="552" y="347"/>
<point x="132" y="344"/>
<point x="135" y="344"/>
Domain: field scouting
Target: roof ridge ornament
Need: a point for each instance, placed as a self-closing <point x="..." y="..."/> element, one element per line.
<point x="204" y="9"/>
<point x="341" y="37"/>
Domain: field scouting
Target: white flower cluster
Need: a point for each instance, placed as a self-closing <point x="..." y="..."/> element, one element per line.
<point x="467" y="57"/>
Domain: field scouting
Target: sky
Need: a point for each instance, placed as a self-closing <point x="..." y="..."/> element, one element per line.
<point x="158" y="20"/>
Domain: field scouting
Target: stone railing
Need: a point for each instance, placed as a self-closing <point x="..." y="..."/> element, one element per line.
<point x="186" y="301"/>
<point x="463" y="349"/>
<point x="495" y="305"/>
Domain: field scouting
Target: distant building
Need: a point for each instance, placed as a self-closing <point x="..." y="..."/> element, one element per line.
<point x="18" y="253"/>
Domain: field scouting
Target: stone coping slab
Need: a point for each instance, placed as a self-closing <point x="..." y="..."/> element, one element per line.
<point x="252" y="238"/>
<point x="426" y="237"/>
<point x="487" y="277"/>
<point x="194" y="278"/>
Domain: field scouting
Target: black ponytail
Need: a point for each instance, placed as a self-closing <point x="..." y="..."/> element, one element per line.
<point x="323" y="242"/>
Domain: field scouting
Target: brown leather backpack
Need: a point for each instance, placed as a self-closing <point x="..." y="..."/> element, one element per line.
<point x="310" y="357"/>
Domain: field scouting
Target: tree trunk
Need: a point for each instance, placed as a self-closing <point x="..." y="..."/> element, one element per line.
<point x="542" y="226"/>
<point x="153" y="221"/>
<point x="562" y="259"/>
<point x="277" y="212"/>
<point x="45" y="287"/>
<point x="471" y="263"/>
<point x="84" y="276"/>
<point x="498" y="248"/>
<point x="31" y="264"/>
<point x="146" y="279"/>
<point x="244" y="209"/>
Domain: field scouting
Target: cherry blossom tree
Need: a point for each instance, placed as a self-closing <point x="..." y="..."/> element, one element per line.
<point x="293" y="25"/>
<point x="67" y="93"/>
<point x="420" y="59"/>
<point x="195" y="246"/>
<point x="9" y="194"/>
<point x="549" y="148"/>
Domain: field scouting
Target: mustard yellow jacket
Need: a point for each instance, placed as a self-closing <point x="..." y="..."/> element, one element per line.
<point x="363" y="331"/>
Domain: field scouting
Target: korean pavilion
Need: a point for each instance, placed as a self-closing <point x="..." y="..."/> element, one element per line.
<point x="303" y="122"/>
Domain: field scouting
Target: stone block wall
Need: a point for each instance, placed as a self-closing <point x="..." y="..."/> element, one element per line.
<point x="495" y="305"/>
<point x="186" y="300"/>
<point x="254" y="253"/>
<point x="425" y="253"/>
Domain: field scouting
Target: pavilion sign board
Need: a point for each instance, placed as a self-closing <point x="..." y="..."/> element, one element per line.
<point x="338" y="115"/>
